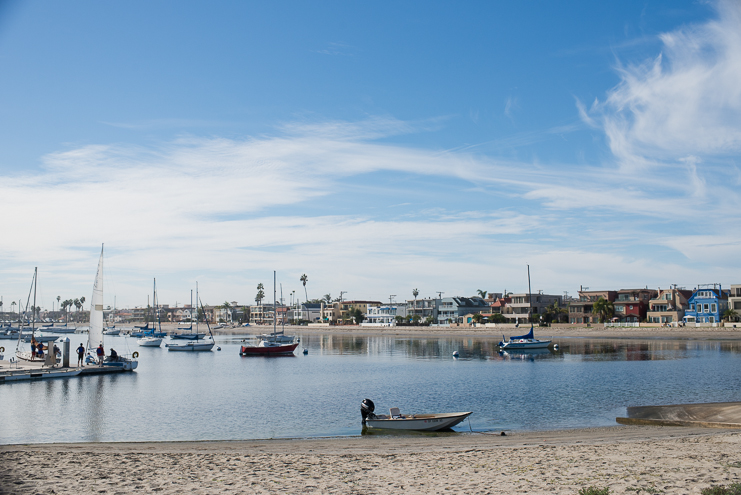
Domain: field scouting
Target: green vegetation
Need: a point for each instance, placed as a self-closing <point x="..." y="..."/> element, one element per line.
<point x="734" y="489"/>
<point x="593" y="490"/>
<point x="604" y="308"/>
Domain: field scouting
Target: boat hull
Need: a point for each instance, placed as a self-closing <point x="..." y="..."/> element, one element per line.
<point x="419" y="422"/>
<point x="268" y="350"/>
<point x="149" y="342"/>
<point x="187" y="336"/>
<point x="190" y="347"/>
<point x="526" y="344"/>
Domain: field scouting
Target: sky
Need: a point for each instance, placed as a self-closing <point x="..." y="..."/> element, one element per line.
<point x="375" y="147"/>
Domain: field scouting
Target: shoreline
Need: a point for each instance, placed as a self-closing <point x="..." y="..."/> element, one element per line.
<point x="624" y="458"/>
<point x="684" y="333"/>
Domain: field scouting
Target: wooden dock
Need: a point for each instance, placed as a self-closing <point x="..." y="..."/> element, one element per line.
<point x="25" y="370"/>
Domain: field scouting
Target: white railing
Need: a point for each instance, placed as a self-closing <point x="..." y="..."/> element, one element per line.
<point x="623" y="324"/>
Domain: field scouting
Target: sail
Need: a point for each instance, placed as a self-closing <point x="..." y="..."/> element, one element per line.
<point x="95" y="336"/>
<point x="528" y="335"/>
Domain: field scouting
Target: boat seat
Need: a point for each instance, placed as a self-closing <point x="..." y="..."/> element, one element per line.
<point x="395" y="413"/>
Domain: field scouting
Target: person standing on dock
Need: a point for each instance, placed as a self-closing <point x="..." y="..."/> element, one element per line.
<point x="33" y="347"/>
<point x="101" y="354"/>
<point x="80" y="355"/>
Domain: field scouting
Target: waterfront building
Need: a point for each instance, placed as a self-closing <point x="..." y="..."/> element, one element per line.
<point x="582" y="310"/>
<point x="382" y="316"/>
<point x="453" y="309"/>
<point x="707" y="305"/>
<point x="521" y="305"/>
<point x="734" y="300"/>
<point x="631" y="305"/>
<point x="424" y="308"/>
<point x="668" y="306"/>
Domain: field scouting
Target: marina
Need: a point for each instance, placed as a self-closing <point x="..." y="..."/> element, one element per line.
<point x="585" y="383"/>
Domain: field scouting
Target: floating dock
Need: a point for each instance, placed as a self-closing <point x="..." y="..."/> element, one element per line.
<point x="709" y="415"/>
<point x="24" y="370"/>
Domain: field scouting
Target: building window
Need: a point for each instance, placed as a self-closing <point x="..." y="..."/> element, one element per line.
<point x="706" y="308"/>
<point x="713" y="308"/>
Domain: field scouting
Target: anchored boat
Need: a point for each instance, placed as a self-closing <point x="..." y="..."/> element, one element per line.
<point x="414" y="422"/>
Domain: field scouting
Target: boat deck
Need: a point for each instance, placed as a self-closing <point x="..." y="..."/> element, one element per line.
<point x="25" y="370"/>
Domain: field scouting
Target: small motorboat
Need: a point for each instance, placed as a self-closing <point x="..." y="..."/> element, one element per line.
<point x="413" y="422"/>
<point x="191" y="346"/>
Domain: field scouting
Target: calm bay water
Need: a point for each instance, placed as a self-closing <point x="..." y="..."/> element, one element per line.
<point x="222" y="396"/>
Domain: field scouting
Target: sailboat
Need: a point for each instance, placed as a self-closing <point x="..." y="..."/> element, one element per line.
<point x="95" y="333"/>
<point x="151" y="340"/>
<point x="527" y="341"/>
<point x="189" y="335"/>
<point x="269" y="346"/>
<point x="32" y="338"/>
<point x="195" y="344"/>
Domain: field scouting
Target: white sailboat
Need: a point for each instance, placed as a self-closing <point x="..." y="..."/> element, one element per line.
<point x="151" y="340"/>
<point x="95" y="333"/>
<point x="195" y="344"/>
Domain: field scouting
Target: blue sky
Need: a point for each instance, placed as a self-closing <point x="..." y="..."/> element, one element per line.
<point x="375" y="147"/>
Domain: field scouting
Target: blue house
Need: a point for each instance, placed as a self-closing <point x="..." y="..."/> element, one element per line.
<point x="707" y="304"/>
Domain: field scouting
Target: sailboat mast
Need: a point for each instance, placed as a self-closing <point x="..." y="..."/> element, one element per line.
<point x="275" y="304"/>
<point x="529" y="297"/>
<point x="33" y="308"/>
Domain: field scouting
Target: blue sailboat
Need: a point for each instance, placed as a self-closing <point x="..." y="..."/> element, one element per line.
<point x="527" y="341"/>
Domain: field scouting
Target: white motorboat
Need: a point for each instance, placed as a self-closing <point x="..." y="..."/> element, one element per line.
<point x="149" y="341"/>
<point x="191" y="346"/>
<point x="416" y="422"/>
<point x="112" y="331"/>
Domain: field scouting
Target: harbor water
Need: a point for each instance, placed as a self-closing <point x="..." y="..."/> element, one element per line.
<point x="219" y="395"/>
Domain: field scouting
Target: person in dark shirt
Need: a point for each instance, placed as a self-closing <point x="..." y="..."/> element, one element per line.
<point x="114" y="354"/>
<point x="80" y="355"/>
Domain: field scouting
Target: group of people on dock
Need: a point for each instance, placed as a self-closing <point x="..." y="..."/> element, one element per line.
<point x="99" y="352"/>
<point x="37" y="349"/>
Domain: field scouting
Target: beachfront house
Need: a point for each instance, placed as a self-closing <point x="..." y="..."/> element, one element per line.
<point x="383" y="316"/>
<point x="582" y="310"/>
<point x="424" y="308"/>
<point x="631" y="305"/>
<point x="453" y="309"/>
<point x="734" y="301"/>
<point x="669" y="306"/>
<point x="522" y="305"/>
<point x="707" y="305"/>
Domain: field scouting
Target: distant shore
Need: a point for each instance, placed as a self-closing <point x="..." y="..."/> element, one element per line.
<point x="627" y="459"/>
<point x="598" y="332"/>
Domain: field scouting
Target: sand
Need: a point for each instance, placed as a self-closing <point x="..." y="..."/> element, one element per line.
<point x="627" y="459"/>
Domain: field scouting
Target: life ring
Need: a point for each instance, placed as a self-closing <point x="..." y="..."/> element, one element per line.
<point x="135" y="355"/>
<point x="2" y="349"/>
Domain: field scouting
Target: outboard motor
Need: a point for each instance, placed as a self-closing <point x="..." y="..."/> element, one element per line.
<point x="366" y="409"/>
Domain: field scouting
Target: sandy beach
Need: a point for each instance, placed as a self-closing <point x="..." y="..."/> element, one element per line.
<point x="627" y="459"/>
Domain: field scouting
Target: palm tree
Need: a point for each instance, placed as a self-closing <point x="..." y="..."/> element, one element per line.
<point x="226" y="306"/>
<point x="12" y="307"/>
<point x="482" y="293"/>
<point x="78" y="305"/>
<point x="730" y="315"/>
<point x="260" y="293"/>
<point x="82" y="300"/>
<point x="303" y="280"/>
<point x="415" y="293"/>
<point x="328" y="298"/>
<point x="604" y="308"/>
